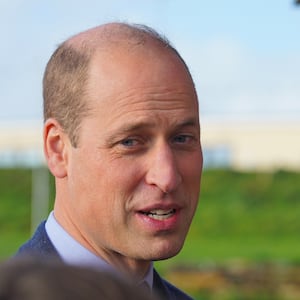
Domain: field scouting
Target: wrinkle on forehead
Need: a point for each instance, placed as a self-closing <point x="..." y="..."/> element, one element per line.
<point x="149" y="95"/>
<point x="156" y="111"/>
<point x="144" y="99"/>
<point x="129" y="91"/>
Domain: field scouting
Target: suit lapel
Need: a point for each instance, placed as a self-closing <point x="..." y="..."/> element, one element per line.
<point x="39" y="244"/>
<point x="160" y="288"/>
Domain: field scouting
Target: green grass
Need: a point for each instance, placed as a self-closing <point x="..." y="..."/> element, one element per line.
<point x="242" y="217"/>
<point x="251" y="216"/>
<point x="10" y="242"/>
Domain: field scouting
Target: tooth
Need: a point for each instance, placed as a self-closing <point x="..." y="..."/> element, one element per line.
<point x="159" y="217"/>
<point x="161" y="212"/>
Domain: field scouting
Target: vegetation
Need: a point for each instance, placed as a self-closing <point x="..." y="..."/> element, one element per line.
<point x="253" y="216"/>
<point x="242" y="217"/>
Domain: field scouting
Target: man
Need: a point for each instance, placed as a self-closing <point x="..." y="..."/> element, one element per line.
<point x="122" y="138"/>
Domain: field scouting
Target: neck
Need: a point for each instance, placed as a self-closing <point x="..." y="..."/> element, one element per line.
<point x="135" y="269"/>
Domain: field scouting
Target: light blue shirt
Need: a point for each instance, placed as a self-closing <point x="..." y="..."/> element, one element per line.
<point x="74" y="253"/>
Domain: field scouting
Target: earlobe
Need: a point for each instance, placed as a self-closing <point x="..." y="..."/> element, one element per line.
<point x="55" y="148"/>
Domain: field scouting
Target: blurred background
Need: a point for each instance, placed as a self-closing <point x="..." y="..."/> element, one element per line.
<point x="245" y="60"/>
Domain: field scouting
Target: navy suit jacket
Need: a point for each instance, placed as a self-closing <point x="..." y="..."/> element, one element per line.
<point x="40" y="245"/>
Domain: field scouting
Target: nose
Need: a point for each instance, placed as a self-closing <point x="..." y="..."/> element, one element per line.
<point x="163" y="170"/>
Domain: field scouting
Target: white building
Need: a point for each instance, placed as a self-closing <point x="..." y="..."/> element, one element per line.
<point x="21" y="144"/>
<point x="252" y="145"/>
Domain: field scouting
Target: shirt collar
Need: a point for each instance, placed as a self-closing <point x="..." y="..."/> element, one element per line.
<point x="79" y="255"/>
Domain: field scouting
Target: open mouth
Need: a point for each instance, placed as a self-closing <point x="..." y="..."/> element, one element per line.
<point x="160" y="214"/>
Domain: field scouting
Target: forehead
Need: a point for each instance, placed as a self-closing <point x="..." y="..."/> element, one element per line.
<point x="145" y="80"/>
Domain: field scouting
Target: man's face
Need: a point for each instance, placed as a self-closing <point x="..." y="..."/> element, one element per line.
<point x="133" y="180"/>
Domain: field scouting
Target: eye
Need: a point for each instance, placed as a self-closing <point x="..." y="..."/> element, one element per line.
<point x="182" y="139"/>
<point x="129" y="142"/>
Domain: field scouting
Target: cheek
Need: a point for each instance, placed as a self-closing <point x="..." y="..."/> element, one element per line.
<point x="191" y="170"/>
<point x="85" y="185"/>
<point x="112" y="187"/>
<point x="124" y="174"/>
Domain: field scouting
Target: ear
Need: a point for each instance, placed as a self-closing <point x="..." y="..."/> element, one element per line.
<point x="56" y="144"/>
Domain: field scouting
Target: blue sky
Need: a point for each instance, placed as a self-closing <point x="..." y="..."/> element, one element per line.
<point x="244" y="55"/>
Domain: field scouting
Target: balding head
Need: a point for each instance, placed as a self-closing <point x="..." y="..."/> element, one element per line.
<point x="116" y="34"/>
<point x="66" y="74"/>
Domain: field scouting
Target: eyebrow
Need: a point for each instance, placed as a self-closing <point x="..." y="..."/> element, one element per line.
<point x="113" y="136"/>
<point x="127" y="128"/>
<point x="192" y="122"/>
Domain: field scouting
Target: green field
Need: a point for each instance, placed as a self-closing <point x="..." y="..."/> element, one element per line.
<point x="246" y="215"/>
<point x="249" y="217"/>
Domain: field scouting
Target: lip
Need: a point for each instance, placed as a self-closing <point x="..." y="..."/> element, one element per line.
<point x="163" y="206"/>
<point x="159" y="225"/>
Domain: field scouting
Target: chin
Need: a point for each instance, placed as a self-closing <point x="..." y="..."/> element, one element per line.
<point x="166" y="251"/>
